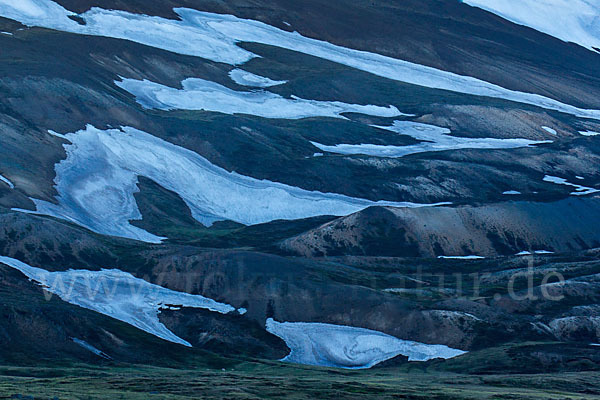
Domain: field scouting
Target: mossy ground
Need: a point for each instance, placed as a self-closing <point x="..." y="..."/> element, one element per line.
<point x="276" y="381"/>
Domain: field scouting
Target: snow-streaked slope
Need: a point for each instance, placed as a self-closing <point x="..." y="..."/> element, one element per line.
<point x="200" y="94"/>
<point x="7" y="181"/>
<point x="117" y="294"/>
<point x="576" y="21"/>
<point x="97" y="181"/>
<point x="434" y="139"/>
<point x="349" y="347"/>
<point x="246" y="78"/>
<point x="214" y="36"/>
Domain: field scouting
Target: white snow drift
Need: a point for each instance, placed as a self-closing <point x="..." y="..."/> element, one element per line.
<point x="589" y="133"/>
<point x="117" y="294"/>
<point x="214" y="36"/>
<point x="97" y="180"/>
<point x="246" y="78"/>
<point x="576" y="21"/>
<point x="200" y="94"/>
<point x="7" y="181"/>
<point x="579" y="190"/>
<point x="472" y="257"/>
<point x="90" y="348"/>
<point x="434" y="139"/>
<point x="349" y="347"/>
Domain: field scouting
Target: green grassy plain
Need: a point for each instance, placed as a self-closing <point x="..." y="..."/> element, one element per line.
<point x="270" y="380"/>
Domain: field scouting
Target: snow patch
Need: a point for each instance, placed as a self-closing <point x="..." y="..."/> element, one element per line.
<point x="523" y="253"/>
<point x="91" y="348"/>
<point x="461" y="257"/>
<point x="200" y="94"/>
<point x="246" y="78"/>
<point x="215" y="37"/>
<point x="6" y="33"/>
<point x="579" y="190"/>
<point x="58" y="135"/>
<point x="118" y="295"/>
<point x="434" y="138"/>
<point x="8" y="182"/>
<point x="589" y="133"/>
<point x="574" y="21"/>
<point x="550" y="130"/>
<point x="97" y="181"/>
<point x="511" y="192"/>
<point x="349" y="347"/>
<point x="529" y="253"/>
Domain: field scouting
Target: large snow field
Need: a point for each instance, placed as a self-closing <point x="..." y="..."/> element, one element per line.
<point x="97" y="181"/>
<point x="214" y="37"/>
<point x="349" y="347"/>
<point x="200" y="94"/>
<point x="576" y="21"/>
<point x="117" y="294"/>
<point x="433" y="138"/>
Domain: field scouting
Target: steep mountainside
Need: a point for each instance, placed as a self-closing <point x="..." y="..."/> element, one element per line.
<point x="198" y="184"/>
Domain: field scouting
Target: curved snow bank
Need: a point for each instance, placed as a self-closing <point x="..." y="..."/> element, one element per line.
<point x="214" y="36"/>
<point x="349" y="347"/>
<point x="7" y="181"/>
<point x="97" y="181"/>
<point x="118" y="295"/>
<point x="434" y="139"/>
<point x="246" y="78"/>
<point x="200" y="94"/>
<point x="576" y="21"/>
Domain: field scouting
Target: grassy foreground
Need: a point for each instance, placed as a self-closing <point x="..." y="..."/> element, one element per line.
<point x="276" y="381"/>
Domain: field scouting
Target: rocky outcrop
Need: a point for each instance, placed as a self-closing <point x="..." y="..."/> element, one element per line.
<point x="487" y="230"/>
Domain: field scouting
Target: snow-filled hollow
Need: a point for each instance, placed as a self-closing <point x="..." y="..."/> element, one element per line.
<point x="119" y="295"/>
<point x="215" y="37"/>
<point x="433" y="138"/>
<point x="202" y="95"/>
<point x="97" y="181"/>
<point x="349" y="347"/>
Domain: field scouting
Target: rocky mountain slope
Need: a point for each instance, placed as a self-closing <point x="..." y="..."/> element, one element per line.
<point x="205" y="184"/>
